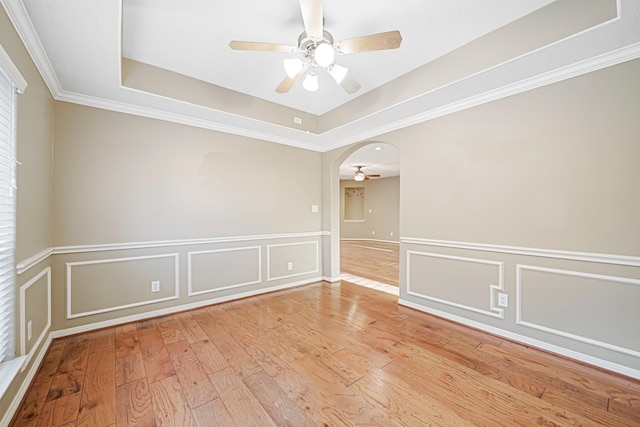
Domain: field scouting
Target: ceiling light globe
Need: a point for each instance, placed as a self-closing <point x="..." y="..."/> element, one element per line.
<point x="310" y="82"/>
<point x="358" y="176"/>
<point x="324" y="54"/>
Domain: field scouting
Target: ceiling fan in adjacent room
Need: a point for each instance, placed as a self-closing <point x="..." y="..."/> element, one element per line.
<point x="316" y="51"/>
<point x="359" y="175"/>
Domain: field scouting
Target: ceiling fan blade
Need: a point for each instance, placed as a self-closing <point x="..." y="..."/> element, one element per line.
<point x="312" y="17"/>
<point x="380" y="41"/>
<point x="262" y="47"/>
<point x="374" y="175"/>
<point x="288" y="82"/>
<point x="350" y="85"/>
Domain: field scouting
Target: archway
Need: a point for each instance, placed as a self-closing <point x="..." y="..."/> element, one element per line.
<point x="368" y="232"/>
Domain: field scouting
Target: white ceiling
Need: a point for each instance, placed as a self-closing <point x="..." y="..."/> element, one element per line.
<point x="191" y="37"/>
<point x="377" y="158"/>
<point x="79" y="45"/>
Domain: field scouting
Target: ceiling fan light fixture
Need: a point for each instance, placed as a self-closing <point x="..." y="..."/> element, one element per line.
<point x="324" y="54"/>
<point x="338" y="72"/>
<point x="359" y="176"/>
<point x="292" y="66"/>
<point x="310" y="82"/>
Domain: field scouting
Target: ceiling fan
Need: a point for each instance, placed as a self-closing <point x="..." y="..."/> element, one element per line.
<point x="359" y="175"/>
<point x="316" y="49"/>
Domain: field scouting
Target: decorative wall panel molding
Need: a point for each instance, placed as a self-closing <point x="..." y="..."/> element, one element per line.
<point x="46" y="273"/>
<point x="70" y="266"/>
<point x="591" y="280"/>
<point x="471" y="266"/>
<point x="307" y="254"/>
<point x="245" y="264"/>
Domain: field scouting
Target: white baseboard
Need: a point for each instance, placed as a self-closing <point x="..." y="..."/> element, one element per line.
<point x="581" y="357"/>
<point x="353" y="239"/>
<point x="15" y="403"/>
<point x="331" y="279"/>
<point x="174" y="309"/>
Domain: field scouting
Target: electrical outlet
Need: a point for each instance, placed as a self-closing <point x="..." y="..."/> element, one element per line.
<point x="29" y="330"/>
<point x="155" y="286"/>
<point x="373" y="232"/>
<point x="289" y="266"/>
<point x="503" y="300"/>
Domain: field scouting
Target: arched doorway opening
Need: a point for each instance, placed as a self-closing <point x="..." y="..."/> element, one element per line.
<point x="369" y="215"/>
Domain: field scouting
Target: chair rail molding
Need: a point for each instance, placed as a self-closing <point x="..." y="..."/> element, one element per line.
<point x="632" y="261"/>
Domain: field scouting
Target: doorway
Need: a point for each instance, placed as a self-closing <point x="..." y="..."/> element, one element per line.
<point x="369" y="217"/>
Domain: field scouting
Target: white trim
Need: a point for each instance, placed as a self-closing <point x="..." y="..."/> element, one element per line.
<point x="69" y="266"/>
<point x="353" y="220"/>
<point x="317" y="268"/>
<point x="546" y="253"/>
<point x="23" y="320"/>
<point x="22" y="23"/>
<point x="17" y="399"/>
<point x="32" y="261"/>
<point x="8" y="371"/>
<point x="608" y="59"/>
<point x="493" y="310"/>
<point x="352" y="239"/>
<point x="581" y="357"/>
<point x="331" y="279"/>
<point x="590" y="341"/>
<point x="177" y="308"/>
<point x="326" y="141"/>
<point x="11" y="71"/>
<point x="59" y="250"/>
<point x="190" y="293"/>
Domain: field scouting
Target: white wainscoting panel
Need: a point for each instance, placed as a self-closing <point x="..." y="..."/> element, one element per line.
<point x="138" y="262"/>
<point x="470" y="277"/>
<point x="23" y="309"/>
<point x="220" y="269"/>
<point x="306" y="254"/>
<point x="575" y="305"/>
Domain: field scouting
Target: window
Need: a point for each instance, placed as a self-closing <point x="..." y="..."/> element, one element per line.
<point x="7" y="217"/>
<point x="11" y="82"/>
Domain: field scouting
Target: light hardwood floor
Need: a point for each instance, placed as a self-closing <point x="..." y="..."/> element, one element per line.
<point x="321" y="354"/>
<point x="369" y="259"/>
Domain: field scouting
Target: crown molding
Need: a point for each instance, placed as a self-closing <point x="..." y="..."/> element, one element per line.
<point x="24" y="27"/>
<point x="152" y="113"/>
<point x="616" y="33"/>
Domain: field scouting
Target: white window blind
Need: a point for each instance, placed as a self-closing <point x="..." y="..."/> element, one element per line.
<point x="7" y="217"/>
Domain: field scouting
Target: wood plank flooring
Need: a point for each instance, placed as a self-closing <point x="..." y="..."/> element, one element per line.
<point x="372" y="260"/>
<point x="318" y="355"/>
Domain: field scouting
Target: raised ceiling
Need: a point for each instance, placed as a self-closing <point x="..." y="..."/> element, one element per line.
<point x="170" y="60"/>
<point x="191" y="37"/>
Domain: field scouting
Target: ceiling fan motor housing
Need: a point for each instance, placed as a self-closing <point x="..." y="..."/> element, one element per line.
<point x="307" y="45"/>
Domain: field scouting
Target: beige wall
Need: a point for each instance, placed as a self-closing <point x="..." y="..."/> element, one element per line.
<point x="381" y="210"/>
<point x="35" y="121"/>
<point x="122" y="178"/>
<point x="211" y="216"/>
<point x="131" y="200"/>
<point x="552" y="168"/>
<point x="523" y="196"/>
